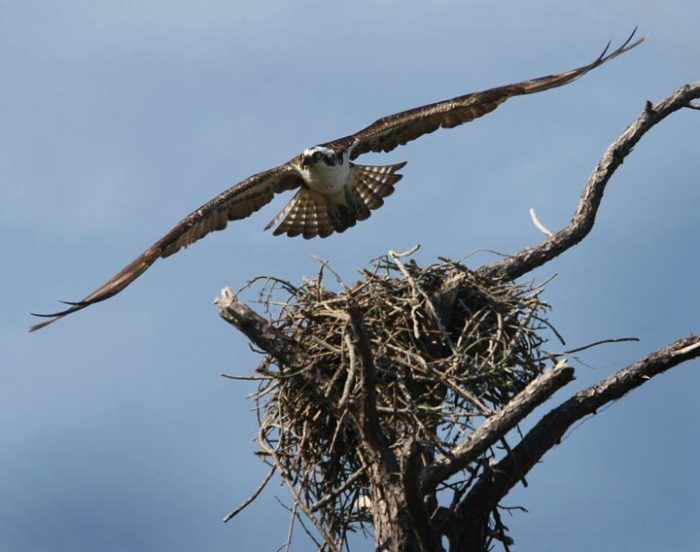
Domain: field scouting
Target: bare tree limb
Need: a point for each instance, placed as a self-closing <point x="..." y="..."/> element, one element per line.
<point x="549" y="430"/>
<point x="228" y="517"/>
<point x="263" y="334"/>
<point x="497" y="425"/>
<point x="530" y="258"/>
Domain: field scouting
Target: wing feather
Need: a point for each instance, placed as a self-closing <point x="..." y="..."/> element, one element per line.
<point x="237" y="202"/>
<point x="395" y="130"/>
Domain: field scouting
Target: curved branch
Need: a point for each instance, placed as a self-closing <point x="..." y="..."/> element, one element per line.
<point x="532" y="257"/>
<point x="547" y="433"/>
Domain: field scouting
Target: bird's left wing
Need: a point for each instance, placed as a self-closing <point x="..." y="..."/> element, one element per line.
<point x="236" y="203"/>
<point x="395" y="130"/>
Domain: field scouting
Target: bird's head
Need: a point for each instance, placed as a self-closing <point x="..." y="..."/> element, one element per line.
<point x="320" y="154"/>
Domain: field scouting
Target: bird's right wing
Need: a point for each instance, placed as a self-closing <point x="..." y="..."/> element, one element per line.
<point x="236" y="203"/>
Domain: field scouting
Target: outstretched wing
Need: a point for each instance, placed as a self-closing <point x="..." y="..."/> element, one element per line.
<point x="236" y="203"/>
<point x="396" y="130"/>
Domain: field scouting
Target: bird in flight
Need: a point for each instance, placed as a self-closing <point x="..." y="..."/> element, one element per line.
<point x="333" y="193"/>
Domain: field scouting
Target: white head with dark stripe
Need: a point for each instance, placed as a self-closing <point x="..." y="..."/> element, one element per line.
<point x="321" y="154"/>
<point x="324" y="170"/>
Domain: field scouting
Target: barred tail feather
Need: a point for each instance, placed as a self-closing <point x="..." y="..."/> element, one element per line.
<point x="370" y="185"/>
<point x="306" y="214"/>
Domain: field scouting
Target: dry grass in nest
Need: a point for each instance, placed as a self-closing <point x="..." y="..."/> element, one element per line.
<point x="449" y="347"/>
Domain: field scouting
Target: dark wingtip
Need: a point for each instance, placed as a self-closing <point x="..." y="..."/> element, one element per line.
<point x="626" y="46"/>
<point x="44" y="315"/>
<point x="74" y="306"/>
<point x="601" y="57"/>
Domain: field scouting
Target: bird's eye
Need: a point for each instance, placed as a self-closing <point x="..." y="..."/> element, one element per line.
<point x="317" y="155"/>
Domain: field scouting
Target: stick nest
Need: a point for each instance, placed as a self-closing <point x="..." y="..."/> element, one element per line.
<point x="449" y="347"/>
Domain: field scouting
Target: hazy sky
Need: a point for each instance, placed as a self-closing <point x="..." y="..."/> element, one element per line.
<point x="118" y="118"/>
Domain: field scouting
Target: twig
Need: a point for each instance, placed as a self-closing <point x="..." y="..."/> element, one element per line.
<point x="594" y="344"/>
<point x="228" y="517"/>
<point x="541" y="227"/>
<point x="400" y="254"/>
<point x="292" y="519"/>
<point x="245" y="378"/>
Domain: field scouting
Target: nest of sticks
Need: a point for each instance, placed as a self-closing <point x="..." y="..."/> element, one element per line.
<point x="449" y="347"/>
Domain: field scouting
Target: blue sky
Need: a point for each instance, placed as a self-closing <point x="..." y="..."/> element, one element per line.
<point x="116" y="430"/>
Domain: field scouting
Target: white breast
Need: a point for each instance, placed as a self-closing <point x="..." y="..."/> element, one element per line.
<point x="328" y="180"/>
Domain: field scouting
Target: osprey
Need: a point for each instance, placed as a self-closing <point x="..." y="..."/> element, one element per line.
<point x="333" y="193"/>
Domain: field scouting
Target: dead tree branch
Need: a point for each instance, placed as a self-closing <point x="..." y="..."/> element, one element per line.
<point x="548" y="432"/>
<point x="530" y="258"/>
<point x="260" y="332"/>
